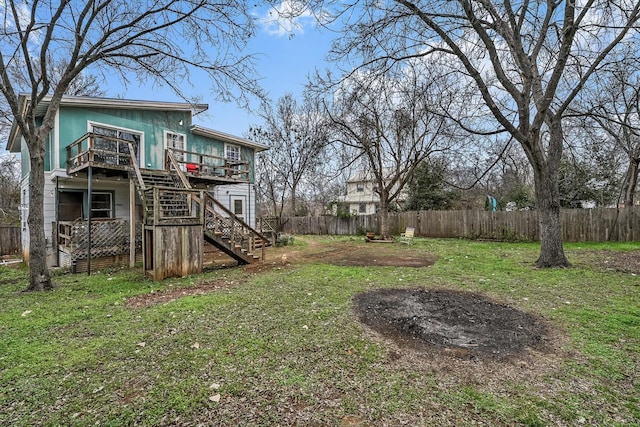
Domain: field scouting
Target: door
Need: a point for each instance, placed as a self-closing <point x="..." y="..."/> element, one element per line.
<point x="177" y="143"/>
<point x="238" y="206"/>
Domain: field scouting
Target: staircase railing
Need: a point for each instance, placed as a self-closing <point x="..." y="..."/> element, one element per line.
<point x="140" y="182"/>
<point x="171" y="163"/>
<point x="218" y="219"/>
<point x="239" y="232"/>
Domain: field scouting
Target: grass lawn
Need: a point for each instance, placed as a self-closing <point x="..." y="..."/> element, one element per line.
<point x="280" y="344"/>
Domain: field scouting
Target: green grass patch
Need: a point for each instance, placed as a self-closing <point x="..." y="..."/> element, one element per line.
<point x="283" y="346"/>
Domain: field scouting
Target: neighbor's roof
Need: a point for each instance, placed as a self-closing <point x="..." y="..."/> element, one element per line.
<point x="225" y="137"/>
<point x="90" y="101"/>
<point x="368" y="176"/>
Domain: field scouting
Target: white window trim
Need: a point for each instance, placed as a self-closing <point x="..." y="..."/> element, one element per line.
<point x="243" y="199"/>
<point x="165" y="138"/>
<point x="238" y="147"/>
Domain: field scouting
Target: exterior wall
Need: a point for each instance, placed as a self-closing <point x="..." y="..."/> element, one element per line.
<point x="226" y="194"/>
<point x="53" y="185"/>
<point x="72" y="123"/>
<point x="153" y="124"/>
<point x="366" y="196"/>
<point x="214" y="147"/>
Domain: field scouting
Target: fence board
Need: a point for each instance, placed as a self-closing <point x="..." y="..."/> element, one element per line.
<point x="578" y="225"/>
<point x="10" y="240"/>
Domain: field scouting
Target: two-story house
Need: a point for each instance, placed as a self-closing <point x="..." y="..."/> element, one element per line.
<point x="128" y="176"/>
<point x="362" y="197"/>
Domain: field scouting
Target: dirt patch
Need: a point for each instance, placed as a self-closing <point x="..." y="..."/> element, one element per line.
<point x="379" y="255"/>
<point x="620" y="261"/>
<point x="168" y="295"/>
<point x="467" y="323"/>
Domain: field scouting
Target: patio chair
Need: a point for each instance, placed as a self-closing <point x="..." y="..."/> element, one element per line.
<point x="407" y="236"/>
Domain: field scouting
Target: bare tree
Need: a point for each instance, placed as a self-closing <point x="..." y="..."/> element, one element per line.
<point x="162" y="40"/>
<point x="297" y="153"/>
<point x="9" y="189"/>
<point x="528" y="60"/>
<point x="613" y="114"/>
<point x="390" y="123"/>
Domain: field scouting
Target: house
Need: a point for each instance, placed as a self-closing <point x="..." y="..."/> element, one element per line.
<point x="127" y="178"/>
<point x="362" y="197"/>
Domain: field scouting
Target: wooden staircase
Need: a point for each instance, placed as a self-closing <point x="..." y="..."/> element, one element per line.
<point x="168" y="194"/>
<point x="172" y="205"/>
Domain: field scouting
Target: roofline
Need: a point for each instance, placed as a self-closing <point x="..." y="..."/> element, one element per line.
<point x="15" y="131"/>
<point x="225" y="137"/>
<point x="90" y="101"/>
<point x="129" y="104"/>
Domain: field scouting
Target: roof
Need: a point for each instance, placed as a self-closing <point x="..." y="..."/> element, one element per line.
<point x="89" y="101"/>
<point x="368" y="175"/>
<point x="225" y="137"/>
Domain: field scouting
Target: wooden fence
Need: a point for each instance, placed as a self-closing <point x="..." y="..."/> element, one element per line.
<point x="10" y="240"/>
<point x="578" y="225"/>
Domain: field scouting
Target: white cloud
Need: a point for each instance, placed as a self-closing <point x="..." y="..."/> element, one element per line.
<point x="289" y="18"/>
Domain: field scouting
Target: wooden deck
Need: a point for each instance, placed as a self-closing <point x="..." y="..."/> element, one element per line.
<point x="112" y="156"/>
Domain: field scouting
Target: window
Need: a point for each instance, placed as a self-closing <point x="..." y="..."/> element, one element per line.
<point x="237" y="207"/>
<point x="362" y="208"/>
<point x="360" y="187"/>
<point x="114" y="147"/>
<point x="232" y="158"/>
<point x="101" y="205"/>
<point x="232" y="152"/>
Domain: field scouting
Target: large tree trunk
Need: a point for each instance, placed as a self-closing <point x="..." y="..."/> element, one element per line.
<point x="545" y="171"/>
<point x="39" y="277"/>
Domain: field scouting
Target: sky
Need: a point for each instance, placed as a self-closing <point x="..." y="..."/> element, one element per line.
<point x="287" y="52"/>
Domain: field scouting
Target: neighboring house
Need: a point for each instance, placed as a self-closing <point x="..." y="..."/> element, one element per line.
<point x="122" y="166"/>
<point x="362" y="197"/>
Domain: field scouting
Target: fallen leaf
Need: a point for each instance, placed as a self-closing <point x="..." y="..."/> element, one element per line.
<point x="142" y="344"/>
<point x="26" y="312"/>
<point x="215" y="398"/>
<point x="214" y="386"/>
<point x="196" y="345"/>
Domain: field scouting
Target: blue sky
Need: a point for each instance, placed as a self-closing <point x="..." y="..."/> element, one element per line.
<point x="287" y="52"/>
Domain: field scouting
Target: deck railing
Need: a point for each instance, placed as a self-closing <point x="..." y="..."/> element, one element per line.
<point x="218" y="219"/>
<point x="98" y="150"/>
<point x="113" y="153"/>
<point x="209" y="166"/>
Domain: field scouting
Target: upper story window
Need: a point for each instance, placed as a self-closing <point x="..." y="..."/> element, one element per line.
<point x="232" y="152"/>
<point x="114" y="147"/>
<point x="360" y="187"/>
<point x="175" y="140"/>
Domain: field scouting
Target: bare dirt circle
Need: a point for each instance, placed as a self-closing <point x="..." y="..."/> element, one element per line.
<point x="467" y="322"/>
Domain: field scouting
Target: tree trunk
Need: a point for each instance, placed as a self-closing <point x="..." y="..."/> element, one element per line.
<point x="548" y="205"/>
<point x="293" y="202"/>
<point x="630" y="182"/>
<point x="39" y="277"/>
<point x="629" y="189"/>
<point x="384" y="215"/>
